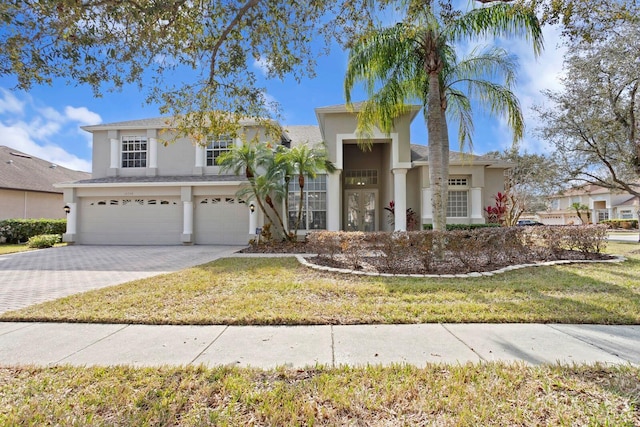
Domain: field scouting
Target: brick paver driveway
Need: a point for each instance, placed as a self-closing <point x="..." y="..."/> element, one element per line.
<point x="28" y="278"/>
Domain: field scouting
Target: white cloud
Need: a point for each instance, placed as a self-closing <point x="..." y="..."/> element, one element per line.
<point x="17" y="137"/>
<point x="82" y="115"/>
<point x="9" y="103"/>
<point x="262" y="64"/>
<point x="39" y="130"/>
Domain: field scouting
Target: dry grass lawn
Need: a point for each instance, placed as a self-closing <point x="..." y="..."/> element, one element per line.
<point x="471" y="395"/>
<point x="262" y="291"/>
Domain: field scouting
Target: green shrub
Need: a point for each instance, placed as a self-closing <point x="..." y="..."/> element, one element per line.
<point x="20" y="230"/>
<point x="621" y="223"/>
<point x="43" y="241"/>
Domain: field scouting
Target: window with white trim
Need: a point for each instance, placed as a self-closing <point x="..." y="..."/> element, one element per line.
<point x="458" y="197"/>
<point x="458" y="204"/>
<point x="134" y="151"/>
<point x="216" y="147"/>
<point x="314" y="209"/>
<point x="626" y="214"/>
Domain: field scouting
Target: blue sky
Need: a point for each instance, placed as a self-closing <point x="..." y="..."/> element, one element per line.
<point x="45" y="122"/>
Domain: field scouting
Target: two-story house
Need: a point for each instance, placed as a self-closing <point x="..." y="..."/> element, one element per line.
<point x="143" y="192"/>
<point x="602" y="203"/>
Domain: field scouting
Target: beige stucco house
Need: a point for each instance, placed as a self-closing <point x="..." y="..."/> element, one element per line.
<point x="603" y="204"/>
<point x="143" y="192"/>
<point x="27" y="186"/>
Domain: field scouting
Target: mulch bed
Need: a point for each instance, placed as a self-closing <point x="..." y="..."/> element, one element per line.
<point x="376" y="263"/>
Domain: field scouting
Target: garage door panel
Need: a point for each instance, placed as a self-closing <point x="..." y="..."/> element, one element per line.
<point x="221" y="220"/>
<point x="127" y="221"/>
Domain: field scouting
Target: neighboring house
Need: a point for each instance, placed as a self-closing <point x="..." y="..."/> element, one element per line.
<point x="143" y="192"/>
<point x="26" y="186"/>
<point x="603" y="204"/>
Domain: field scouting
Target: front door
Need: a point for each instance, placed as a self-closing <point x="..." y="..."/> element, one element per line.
<point x="360" y="210"/>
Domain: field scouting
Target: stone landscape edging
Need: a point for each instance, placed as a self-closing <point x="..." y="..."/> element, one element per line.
<point x="302" y="260"/>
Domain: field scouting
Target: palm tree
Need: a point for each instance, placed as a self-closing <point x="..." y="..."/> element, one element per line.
<point x="307" y="161"/>
<point x="249" y="158"/>
<point x="415" y="61"/>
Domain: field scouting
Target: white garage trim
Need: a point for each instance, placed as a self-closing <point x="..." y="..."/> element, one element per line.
<point x="130" y="221"/>
<point x="221" y="220"/>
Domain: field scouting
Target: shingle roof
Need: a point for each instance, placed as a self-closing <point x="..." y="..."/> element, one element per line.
<point x="161" y="179"/>
<point x="20" y="171"/>
<point x="150" y="123"/>
<point x="302" y="134"/>
<point x="420" y="153"/>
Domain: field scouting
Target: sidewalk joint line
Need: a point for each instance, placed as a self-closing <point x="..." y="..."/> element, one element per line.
<point x="482" y="359"/>
<point x="209" y="345"/>
<point x="93" y="343"/>
<point x="586" y="342"/>
<point x="333" y="349"/>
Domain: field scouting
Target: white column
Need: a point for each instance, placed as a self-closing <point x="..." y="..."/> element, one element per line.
<point x="476" y="205"/>
<point x="115" y="158"/>
<point x="400" y="198"/>
<point x="253" y="218"/>
<point x="200" y="155"/>
<point x="153" y="152"/>
<point x="427" y="211"/>
<point x="72" y="218"/>
<point x="187" y="222"/>
<point x="334" y="191"/>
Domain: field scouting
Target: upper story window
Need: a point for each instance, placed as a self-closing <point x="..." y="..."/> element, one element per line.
<point x="216" y="147"/>
<point x="134" y="151"/>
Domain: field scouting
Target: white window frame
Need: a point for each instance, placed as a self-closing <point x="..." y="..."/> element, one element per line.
<point x="134" y="151"/>
<point x="458" y="189"/>
<point x="626" y="214"/>
<point x="216" y="147"/>
<point x="458" y="204"/>
<point x="315" y="202"/>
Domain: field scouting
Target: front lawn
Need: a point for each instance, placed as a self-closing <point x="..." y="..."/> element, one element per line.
<point x="10" y="248"/>
<point x="490" y="394"/>
<point x="266" y="291"/>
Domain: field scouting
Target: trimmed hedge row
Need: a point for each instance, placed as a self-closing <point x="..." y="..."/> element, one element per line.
<point x="451" y="227"/>
<point x="626" y="224"/>
<point x="21" y="230"/>
<point x="456" y="251"/>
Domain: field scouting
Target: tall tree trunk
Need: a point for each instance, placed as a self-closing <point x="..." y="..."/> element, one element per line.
<point x="300" y="203"/>
<point x="444" y="167"/>
<point x="434" y="132"/>
<point x="269" y="201"/>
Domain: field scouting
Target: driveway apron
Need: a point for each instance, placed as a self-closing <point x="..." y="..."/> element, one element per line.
<point x="28" y="278"/>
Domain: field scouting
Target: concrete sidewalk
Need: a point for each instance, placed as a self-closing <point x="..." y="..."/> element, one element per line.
<point x="300" y="346"/>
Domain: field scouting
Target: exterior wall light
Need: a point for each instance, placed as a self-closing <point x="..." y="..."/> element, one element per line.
<point x="67" y="209"/>
<point x="252" y="208"/>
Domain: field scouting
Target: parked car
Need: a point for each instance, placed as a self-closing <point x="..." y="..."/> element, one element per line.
<point x="528" y="222"/>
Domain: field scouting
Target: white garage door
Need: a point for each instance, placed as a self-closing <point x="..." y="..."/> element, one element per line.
<point x="222" y="220"/>
<point x="130" y="221"/>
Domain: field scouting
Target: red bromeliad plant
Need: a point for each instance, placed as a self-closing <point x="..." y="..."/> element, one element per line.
<point x="412" y="216"/>
<point x="496" y="213"/>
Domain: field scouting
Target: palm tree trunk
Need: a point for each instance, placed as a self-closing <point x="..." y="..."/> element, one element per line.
<point x="300" y="203"/>
<point x="434" y="132"/>
<point x="273" y="208"/>
<point x="444" y="167"/>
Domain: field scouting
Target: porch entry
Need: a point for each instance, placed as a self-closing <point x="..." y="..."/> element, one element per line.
<point x="361" y="210"/>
